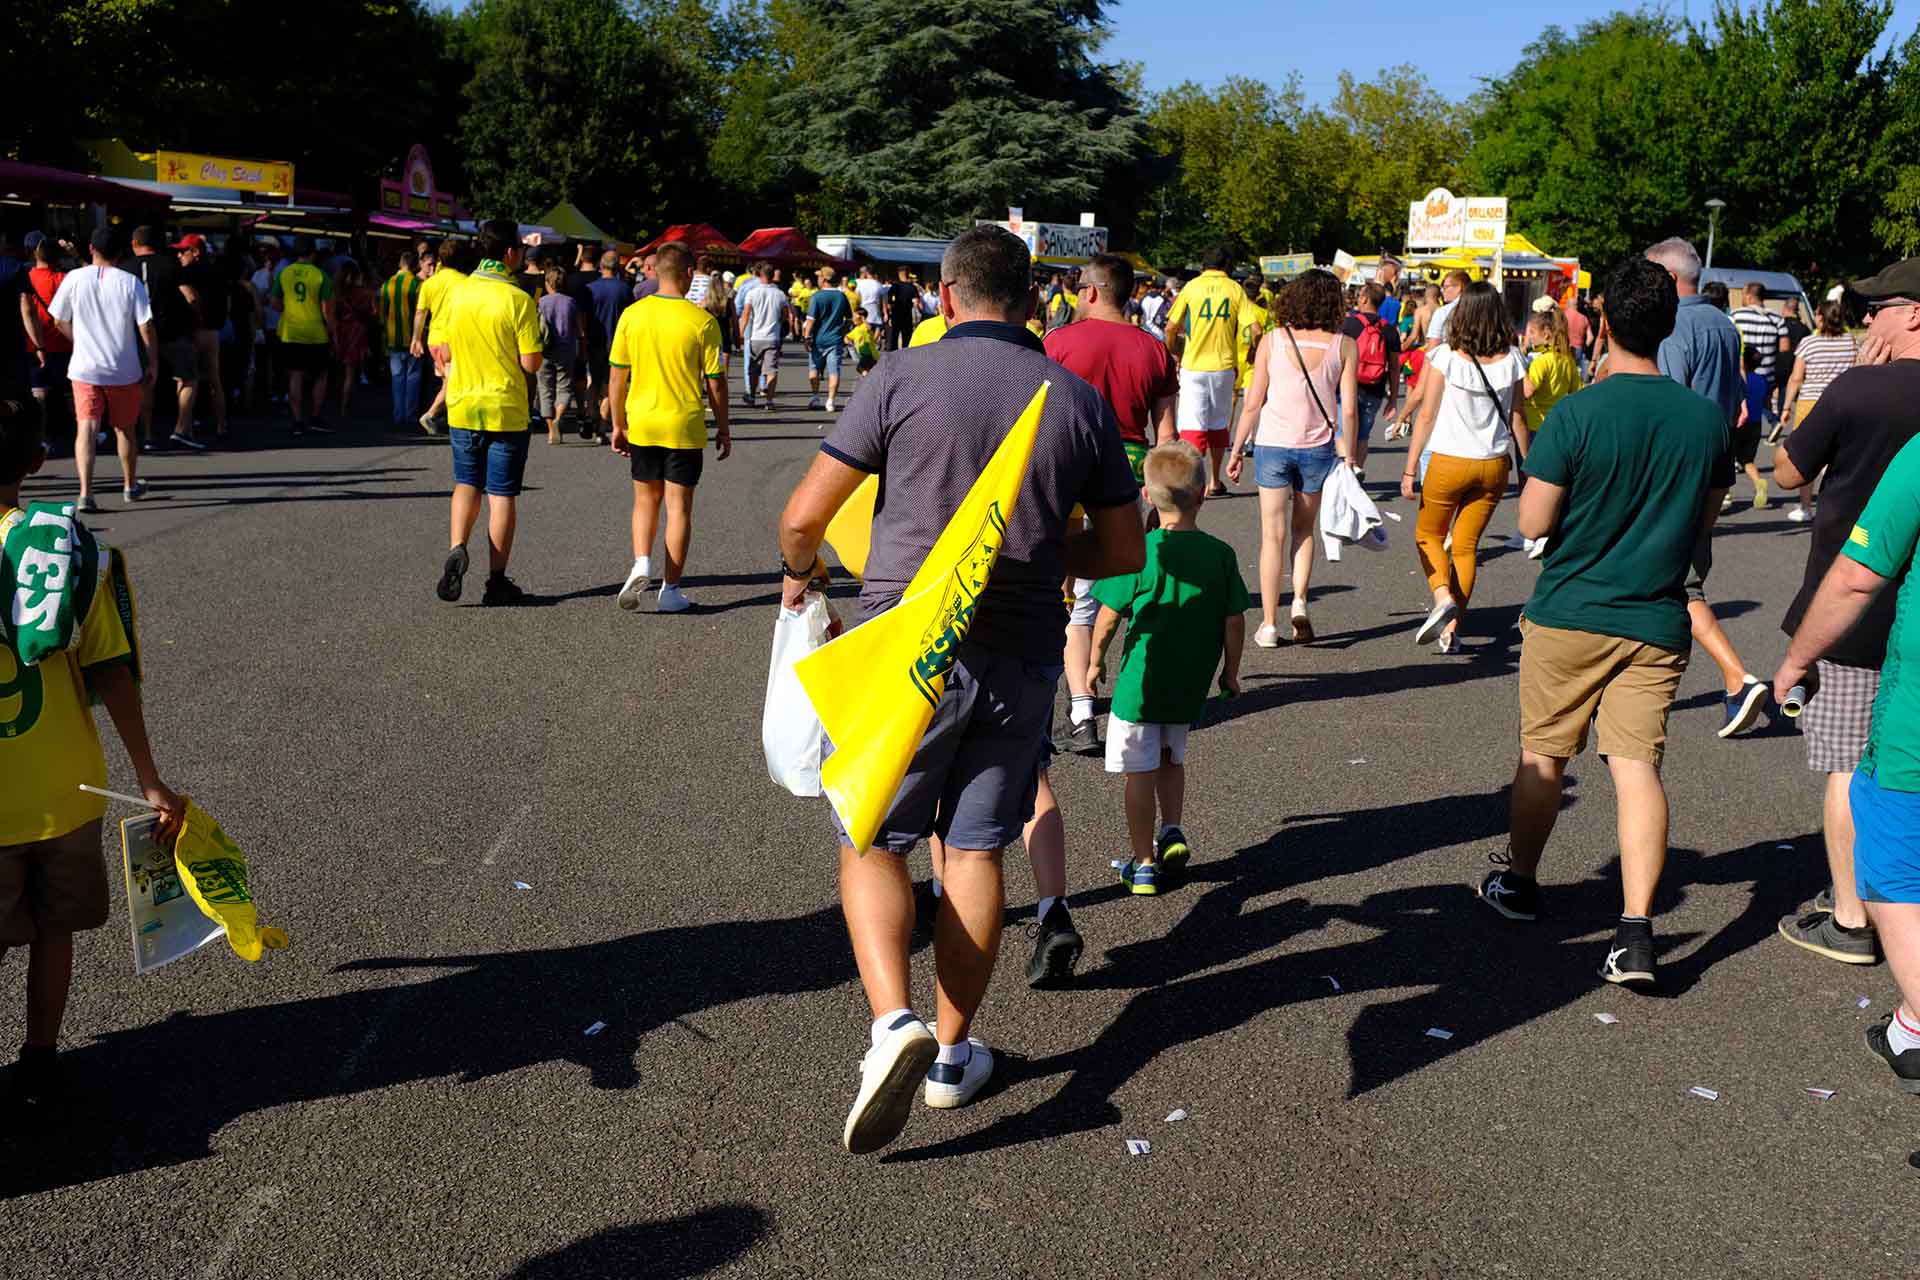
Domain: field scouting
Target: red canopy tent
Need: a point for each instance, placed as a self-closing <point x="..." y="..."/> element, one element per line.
<point x="699" y="237"/>
<point x="41" y="184"/>
<point x="786" y="247"/>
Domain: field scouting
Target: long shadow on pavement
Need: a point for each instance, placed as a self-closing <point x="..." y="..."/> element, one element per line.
<point x="692" y="1244"/>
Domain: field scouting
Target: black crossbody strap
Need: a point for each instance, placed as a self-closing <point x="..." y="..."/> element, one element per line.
<point x="1308" y="379"/>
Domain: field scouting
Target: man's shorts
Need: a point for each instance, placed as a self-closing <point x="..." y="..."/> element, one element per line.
<point x="1570" y="679"/>
<point x="825" y="360"/>
<point x="206" y="354"/>
<point x="305" y="357"/>
<point x="1746" y="443"/>
<point x="1886" y="841"/>
<point x="1136" y="748"/>
<point x="1700" y="565"/>
<point x="1205" y="440"/>
<point x="492" y="460"/>
<point x="553" y="385"/>
<point x="1302" y="470"/>
<point x="53" y="886"/>
<point x="117" y="407"/>
<point x="1369" y="403"/>
<point x="1206" y="404"/>
<point x="1084" y="609"/>
<point x="45" y="377"/>
<point x="1839" y="717"/>
<point x="654" y="463"/>
<point x="763" y="360"/>
<point x="973" y="780"/>
<point x="179" y="360"/>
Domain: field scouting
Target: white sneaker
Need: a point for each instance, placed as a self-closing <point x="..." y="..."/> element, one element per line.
<point x="889" y="1074"/>
<point x="1267" y="637"/>
<point x="673" y="600"/>
<point x="1799" y="515"/>
<point x="635" y="586"/>
<point x="830" y="405"/>
<point x="1442" y="614"/>
<point x="951" y="1086"/>
<point x="1536" y="547"/>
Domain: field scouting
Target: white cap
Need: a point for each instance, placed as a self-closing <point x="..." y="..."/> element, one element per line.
<point x="1836" y="293"/>
<point x="1544" y="303"/>
<point x="727" y="276"/>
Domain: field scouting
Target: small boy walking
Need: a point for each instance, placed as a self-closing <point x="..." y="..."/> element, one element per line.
<point x="64" y="642"/>
<point x="1186" y="608"/>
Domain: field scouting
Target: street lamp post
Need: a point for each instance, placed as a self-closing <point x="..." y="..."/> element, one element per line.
<point x="1714" y="206"/>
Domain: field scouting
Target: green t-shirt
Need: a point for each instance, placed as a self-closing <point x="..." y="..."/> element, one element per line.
<point x="1883" y="540"/>
<point x="1179" y="602"/>
<point x="1637" y="455"/>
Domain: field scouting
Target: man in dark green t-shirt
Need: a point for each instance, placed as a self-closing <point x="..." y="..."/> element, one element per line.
<point x="1622" y="476"/>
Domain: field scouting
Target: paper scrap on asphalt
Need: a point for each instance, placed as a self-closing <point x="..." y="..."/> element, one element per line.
<point x="1330" y="978"/>
<point x="1862" y="1002"/>
<point x="521" y="884"/>
<point x="1607" y="1018"/>
<point x="1176" y="1115"/>
<point x="1440" y="1033"/>
<point x="1711" y="1095"/>
<point x="595" y="1029"/>
<point x="1138" y="1146"/>
<point x="1361" y="760"/>
<point x="1822" y="1094"/>
<point x="1392" y="515"/>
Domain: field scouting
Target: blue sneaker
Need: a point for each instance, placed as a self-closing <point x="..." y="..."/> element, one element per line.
<point x="1140" y="877"/>
<point x="1744" y="707"/>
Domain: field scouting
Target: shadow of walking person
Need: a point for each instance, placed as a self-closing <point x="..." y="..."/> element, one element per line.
<point x="692" y="1244"/>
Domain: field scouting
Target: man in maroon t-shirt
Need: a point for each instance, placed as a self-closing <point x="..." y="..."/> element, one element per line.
<point x="1136" y="374"/>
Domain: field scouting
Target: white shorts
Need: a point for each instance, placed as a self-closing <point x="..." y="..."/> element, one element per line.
<point x="1136" y="748"/>
<point x="1206" y="400"/>
<point x="1086" y="610"/>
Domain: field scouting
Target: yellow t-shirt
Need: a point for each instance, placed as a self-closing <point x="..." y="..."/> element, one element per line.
<point x="861" y="336"/>
<point x="48" y="742"/>
<point x="302" y="290"/>
<point x="1252" y="316"/>
<point x="434" y="295"/>
<point x="1554" y="378"/>
<point x="932" y="329"/>
<point x="493" y="323"/>
<point x="800" y="292"/>
<point x="669" y="347"/>
<point x="1211" y="302"/>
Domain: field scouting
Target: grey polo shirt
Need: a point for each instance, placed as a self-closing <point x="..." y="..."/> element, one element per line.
<point x="1703" y="354"/>
<point x="928" y="420"/>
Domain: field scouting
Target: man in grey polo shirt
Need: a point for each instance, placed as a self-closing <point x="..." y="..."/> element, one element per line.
<point x="928" y="420"/>
<point x="1703" y="354"/>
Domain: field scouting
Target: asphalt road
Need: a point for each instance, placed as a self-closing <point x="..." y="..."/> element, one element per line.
<point x="408" y="1091"/>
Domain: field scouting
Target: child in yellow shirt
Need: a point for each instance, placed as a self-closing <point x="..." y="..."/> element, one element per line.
<point x="866" y="347"/>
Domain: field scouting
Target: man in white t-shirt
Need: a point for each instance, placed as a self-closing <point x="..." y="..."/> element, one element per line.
<point x="872" y="295"/>
<point x="108" y="315"/>
<point x="766" y="320"/>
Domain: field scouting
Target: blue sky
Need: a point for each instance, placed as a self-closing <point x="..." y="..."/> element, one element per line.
<point x="1208" y="40"/>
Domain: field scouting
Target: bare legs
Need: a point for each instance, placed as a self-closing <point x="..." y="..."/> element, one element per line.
<point x="876" y="897"/>
<point x="1641" y="821"/>
<point x="83" y="455"/>
<point x="648" y="498"/>
<point x="1837" y="822"/>
<point x="502" y="520"/>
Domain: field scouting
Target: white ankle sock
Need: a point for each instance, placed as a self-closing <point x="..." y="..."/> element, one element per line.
<point x="955" y="1055"/>
<point x="1903" y="1033"/>
<point x="1046" y="905"/>
<point x="1080" y="708"/>
<point x="643" y="566"/>
<point x="884" y="1023"/>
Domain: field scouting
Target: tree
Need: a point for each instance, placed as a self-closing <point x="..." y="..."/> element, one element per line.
<point x="1399" y="139"/>
<point x="937" y="112"/>
<point x="1894" y="176"/>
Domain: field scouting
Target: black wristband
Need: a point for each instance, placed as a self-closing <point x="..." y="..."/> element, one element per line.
<point x="798" y="575"/>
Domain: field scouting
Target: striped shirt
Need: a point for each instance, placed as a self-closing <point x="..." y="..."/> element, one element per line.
<point x="1761" y="331"/>
<point x="398" y="298"/>
<point x="1826" y="359"/>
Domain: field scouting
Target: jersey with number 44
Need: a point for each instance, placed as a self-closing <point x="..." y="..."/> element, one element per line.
<point x="1211" y="303"/>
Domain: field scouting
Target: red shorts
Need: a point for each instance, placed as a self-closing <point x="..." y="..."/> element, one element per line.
<point x="118" y="407"/>
<point x="1205" y="440"/>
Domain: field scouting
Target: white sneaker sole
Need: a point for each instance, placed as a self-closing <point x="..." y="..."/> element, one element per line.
<point x="630" y="594"/>
<point x="885" y="1100"/>
<point x="1436" y="623"/>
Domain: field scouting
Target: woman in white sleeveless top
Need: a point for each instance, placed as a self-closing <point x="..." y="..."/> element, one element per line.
<point x="1303" y="375"/>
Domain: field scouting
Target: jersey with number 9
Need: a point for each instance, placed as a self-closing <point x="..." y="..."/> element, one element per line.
<point x="302" y="290"/>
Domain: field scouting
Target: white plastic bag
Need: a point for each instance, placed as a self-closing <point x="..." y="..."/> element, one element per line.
<point x="790" y="731"/>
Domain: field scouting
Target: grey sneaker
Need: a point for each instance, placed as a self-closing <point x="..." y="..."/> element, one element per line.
<point x="1821" y="901"/>
<point x="1818" y="933"/>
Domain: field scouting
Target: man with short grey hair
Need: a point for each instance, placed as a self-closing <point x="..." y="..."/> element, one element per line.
<point x="1703" y="354"/>
<point x="928" y="421"/>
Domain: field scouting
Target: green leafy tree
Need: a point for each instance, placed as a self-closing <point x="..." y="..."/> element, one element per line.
<point x="1894" y="177"/>
<point x="1397" y="139"/>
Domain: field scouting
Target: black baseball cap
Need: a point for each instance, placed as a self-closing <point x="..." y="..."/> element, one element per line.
<point x="1901" y="280"/>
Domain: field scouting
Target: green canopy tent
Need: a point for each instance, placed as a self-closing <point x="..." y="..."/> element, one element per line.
<point x="573" y="224"/>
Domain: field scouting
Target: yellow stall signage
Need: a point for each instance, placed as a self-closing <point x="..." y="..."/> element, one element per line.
<point x="185" y="167"/>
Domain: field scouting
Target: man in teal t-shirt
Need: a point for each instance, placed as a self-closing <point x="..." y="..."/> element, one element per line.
<point x="1622" y="476"/>
<point x="1186" y="606"/>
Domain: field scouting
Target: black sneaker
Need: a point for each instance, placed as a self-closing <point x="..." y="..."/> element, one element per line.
<point x="1513" y="895"/>
<point x="1905" y="1066"/>
<point x="1056" y="949"/>
<point x="319" y="427"/>
<point x="502" y="590"/>
<point x="1821" y="934"/>
<point x="36" y="1088"/>
<point x="1630" y="958"/>
<point x="1084" y="736"/>
<point x="452" y="574"/>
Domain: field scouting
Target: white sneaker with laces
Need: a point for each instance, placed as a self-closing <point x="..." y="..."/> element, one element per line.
<point x="1267" y="637"/>
<point x="673" y="600"/>
<point x="889" y="1074"/>
<point x="1799" y="515"/>
<point x="955" y="1085"/>
<point x="630" y="591"/>
<point x="1442" y="614"/>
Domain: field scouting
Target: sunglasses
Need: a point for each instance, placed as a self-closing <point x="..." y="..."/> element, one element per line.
<point x="1888" y="304"/>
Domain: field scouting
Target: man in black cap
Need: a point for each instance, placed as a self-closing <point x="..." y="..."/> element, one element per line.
<point x="1855" y="429"/>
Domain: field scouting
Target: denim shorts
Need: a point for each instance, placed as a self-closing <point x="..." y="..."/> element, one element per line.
<point x="973" y="780"/>
<point x="824" y="359"/>
<point x="1303" y="470"/>
<point x="491" y="460"/>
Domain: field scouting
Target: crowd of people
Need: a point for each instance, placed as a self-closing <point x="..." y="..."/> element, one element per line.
<point x="1627" y="414"/>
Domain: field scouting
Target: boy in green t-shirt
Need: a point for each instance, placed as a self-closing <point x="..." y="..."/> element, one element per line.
<point x="1186" y="606"/>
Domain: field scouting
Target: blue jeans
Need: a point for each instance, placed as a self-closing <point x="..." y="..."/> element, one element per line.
<point x="1369" y="403"/>
<point x="407" y="377"/>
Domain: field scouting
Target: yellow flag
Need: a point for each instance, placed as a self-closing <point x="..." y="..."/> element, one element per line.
<point x="876" y="686"/>
<point x="214" y="872"/>
<point x="850" y="532"/>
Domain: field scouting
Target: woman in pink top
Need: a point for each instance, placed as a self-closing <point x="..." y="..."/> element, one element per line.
<point x="1303" y="373"/>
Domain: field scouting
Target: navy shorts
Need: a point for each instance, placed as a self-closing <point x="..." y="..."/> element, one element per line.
<point x="973" y="781"/>
<point x="1302" y="470"/>
<point x="492" y="460"/>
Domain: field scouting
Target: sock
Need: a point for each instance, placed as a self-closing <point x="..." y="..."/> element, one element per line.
<point x="884" y="1023"/>
<point x="955" y="1055"/>
<point x="642" y="566"/>
<point x="1903" y="1033"/>
<point x="1636" y="924"/>
<point x="1046" y="905"/>
<point x="938" y="888"/>
<point x="1080" y="708"/>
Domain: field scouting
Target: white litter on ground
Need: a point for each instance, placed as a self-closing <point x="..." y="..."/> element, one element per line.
<point x="1862" y="1002"/>
<point x="1361" y="760"/>
<point x="1822" y="1094"/>
<point x="1176" y="1115"/>
<point x="1711" y="1095"/>
<point x="1607" y="1018"/>
<point x="1392" y="515"/>
<point x="1138" y="1147"/>
<point x="1440" y="1033"/>
<point x="521" y="884"/>
<point x="1330" y="978"/>
<point x="595" y="1029"/>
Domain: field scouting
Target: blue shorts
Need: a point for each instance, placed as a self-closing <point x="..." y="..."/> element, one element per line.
<point x="1886" y="841"/>
<point x="973" y="781"/>
<point x="1303" y="470"/>
<point x="821" y="359"/>
<point x="491" y="460"/>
